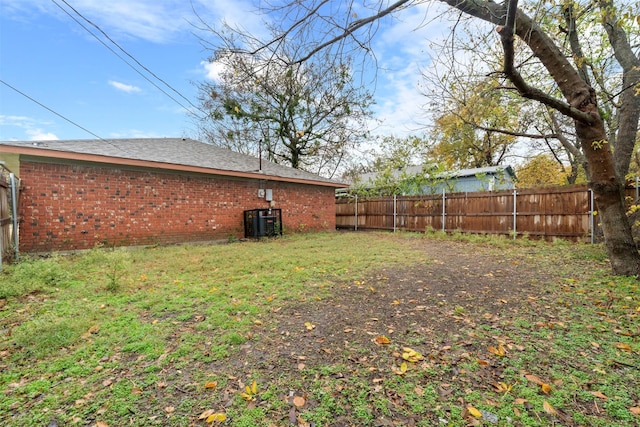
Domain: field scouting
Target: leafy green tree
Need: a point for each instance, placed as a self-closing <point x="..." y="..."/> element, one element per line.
<point x="398" y="166"/>
<point x="471" y="132"/>
<point x="403" y="181"/>
<point x="392" y="152"/>
<point x="305" y="115"/>
<point x="540" y="171"/>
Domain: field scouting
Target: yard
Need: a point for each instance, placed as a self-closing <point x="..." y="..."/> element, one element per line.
<point x="330" y="329"/>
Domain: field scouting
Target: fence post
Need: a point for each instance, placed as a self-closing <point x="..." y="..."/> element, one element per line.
<point x="356" y="224"/>
<point x="444" y="212"/>
<point x="395" y="212"/>
<point x="592" y="224"/>
<point x="515" y="215"/>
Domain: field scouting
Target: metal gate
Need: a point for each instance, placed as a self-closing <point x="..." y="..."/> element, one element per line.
<point x="9" y="188"/>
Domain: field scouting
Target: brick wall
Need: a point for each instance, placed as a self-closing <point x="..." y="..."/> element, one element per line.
<point x="79" y="206"/>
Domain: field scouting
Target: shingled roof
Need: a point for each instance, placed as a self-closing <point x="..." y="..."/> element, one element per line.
<point x="179" y="154"/>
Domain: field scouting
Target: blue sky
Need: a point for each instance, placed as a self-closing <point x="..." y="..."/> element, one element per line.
<point x="49" y="57"/>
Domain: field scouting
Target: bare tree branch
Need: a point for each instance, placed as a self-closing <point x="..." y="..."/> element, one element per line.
<point x="507" y="36"/>
<point x="354" y="26"/>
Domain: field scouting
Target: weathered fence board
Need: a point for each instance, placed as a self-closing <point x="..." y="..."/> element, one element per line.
<point x="564" y="212"/>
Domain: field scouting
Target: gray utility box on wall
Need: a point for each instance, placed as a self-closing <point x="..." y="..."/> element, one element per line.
<point x="262" y="222"/>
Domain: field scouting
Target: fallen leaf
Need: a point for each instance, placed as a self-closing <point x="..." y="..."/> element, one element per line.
<point x="211" y="384"/>
<point x="250" y="391"/>
<point x="599" y="394"/>
<point x="500" y="351"/>
<point x="101" y="424"/>
<point x="299" y="401"/>
<point x="474" y="412"/>
<point x="310" y="326"/>
<point x="206" y="414"/>
<point x="411" y="355"/>
<point x="546" y="388"/>
<point x="293" y="416"/>
<point x="622" y="346"/>
<point x="520" y="401"/>
<point x="216" y="417"/>
<point x="169" y="409"/>
<point x="635" y="410"/>
<point x="534" y="379"/>
<point x="136" y="390"/>
<point x="401" y="370"/>
<point x="94" y="329"/>
<point x="502" y="387"/>
<point x="382" y="340"/>
<point x="548" y="408"/>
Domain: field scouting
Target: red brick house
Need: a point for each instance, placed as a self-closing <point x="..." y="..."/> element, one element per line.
<point x="79" y="194"/>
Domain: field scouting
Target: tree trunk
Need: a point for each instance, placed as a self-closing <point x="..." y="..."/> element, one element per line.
<point x="581" y="105"/>
<point x="608" y="192"/>
<point x="629" y="111"/>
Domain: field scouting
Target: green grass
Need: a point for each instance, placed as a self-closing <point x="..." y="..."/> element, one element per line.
<point x="131" y="337"/>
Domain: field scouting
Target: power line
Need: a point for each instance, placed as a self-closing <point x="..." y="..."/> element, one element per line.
<point x="51" y="110"/>
<point x="126" y="53"/>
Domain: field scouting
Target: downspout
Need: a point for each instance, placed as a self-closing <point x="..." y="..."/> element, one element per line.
<point x="14" y="208"/>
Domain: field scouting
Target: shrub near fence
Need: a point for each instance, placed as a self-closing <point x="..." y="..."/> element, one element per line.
<point x="564" y="212"/>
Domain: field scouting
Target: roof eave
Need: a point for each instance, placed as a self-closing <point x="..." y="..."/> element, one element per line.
<point x="95" y="158"/>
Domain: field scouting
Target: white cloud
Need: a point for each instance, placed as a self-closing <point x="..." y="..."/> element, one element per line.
<point x="27" y="126"/>
<point x="19" y="121"/>
<point x="40" y="135"/>
<point x="402" y="51"/>
<point x="124" y="87"/>
<point x="158" y="21"/>
<point x="212" y="70"/>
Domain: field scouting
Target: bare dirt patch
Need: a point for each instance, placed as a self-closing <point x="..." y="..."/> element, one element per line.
<point x="436" y="307"/>
<point x="430" y="300"/>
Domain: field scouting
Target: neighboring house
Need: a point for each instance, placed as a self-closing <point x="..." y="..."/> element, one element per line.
<point x="79" y="194"/>
<point x="491" y="178"/>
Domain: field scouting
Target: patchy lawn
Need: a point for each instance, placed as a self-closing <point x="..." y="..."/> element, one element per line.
<point x="337" y="329"/>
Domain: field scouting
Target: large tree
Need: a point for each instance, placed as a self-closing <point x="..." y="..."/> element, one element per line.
<point x="479" y="120"/>
<point x="305" y="115"/>
<point x="478" y="125"/>
<point x="577" y="100"/>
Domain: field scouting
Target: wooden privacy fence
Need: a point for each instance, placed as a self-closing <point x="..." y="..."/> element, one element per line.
<point x="565" y="212"/>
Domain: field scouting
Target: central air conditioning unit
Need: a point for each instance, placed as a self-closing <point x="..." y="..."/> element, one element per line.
<point x="262" y="223"/>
